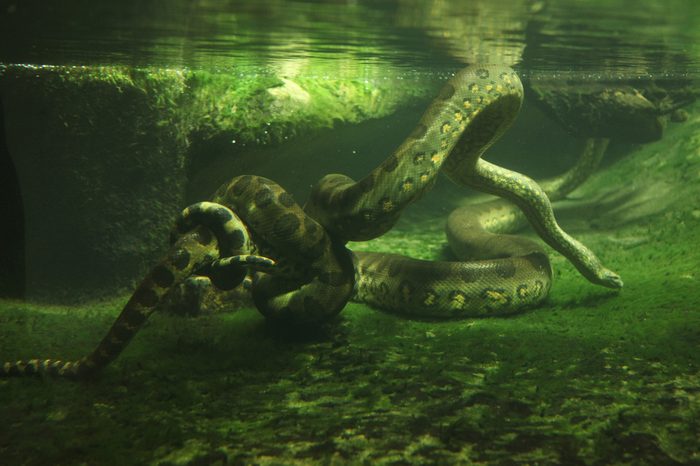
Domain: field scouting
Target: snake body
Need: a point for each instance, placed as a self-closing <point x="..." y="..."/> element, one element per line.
<point x="295" y="260"/>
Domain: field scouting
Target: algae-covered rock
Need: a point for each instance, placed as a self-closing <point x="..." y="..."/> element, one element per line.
<point x="271" y="107"/>
<point x="99" y="155"/>
<point x="102" y="153"/>
<point x="622" y="111"/>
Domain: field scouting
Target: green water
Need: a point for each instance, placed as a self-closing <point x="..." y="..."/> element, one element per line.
<point x="117" y="117"/>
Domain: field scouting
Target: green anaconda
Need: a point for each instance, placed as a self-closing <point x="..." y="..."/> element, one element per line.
<point x="294" y="259"/>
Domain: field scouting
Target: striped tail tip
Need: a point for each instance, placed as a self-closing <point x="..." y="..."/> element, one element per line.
<point x="52" y="367"/>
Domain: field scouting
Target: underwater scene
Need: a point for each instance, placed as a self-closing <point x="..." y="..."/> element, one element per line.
<point x="395" y="232"/>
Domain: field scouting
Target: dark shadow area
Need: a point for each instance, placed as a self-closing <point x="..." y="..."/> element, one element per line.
<point x="12" y="283"/>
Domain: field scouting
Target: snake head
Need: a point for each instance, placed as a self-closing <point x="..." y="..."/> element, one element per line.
<point x="610" y="279"/>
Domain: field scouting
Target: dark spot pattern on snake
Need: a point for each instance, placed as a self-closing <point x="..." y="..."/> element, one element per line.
<point x="285" y="199"/>
<point x="237" y="239"/>
<point x="204" y="237"/>
<point x="286" y="225"/>
<point x="448" y="90"/>
<point x="241" y="185"/>
<point x="505" y="269"/>
<point x="145" y="296"/>
<point x="180" y="258"/>
<point x="390" y="164"/>
<point x="263" y="198"/>
<point x="162" y="276"/>
<point x="418" y="132"/>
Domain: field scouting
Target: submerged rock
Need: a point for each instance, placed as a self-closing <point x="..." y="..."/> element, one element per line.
<point x="99" y="156"/>
<point x="103" y="155"/>
<point x="622" y="112"/>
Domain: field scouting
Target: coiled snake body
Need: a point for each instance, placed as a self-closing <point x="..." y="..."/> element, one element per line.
<point x="295" y="258"/>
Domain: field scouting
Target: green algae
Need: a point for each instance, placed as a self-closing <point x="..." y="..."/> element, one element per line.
<point x="258" y="106"/>
<point x="591" y="377"/>
<point x="266" y="108"/>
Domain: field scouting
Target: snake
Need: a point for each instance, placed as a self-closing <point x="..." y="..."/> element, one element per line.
<point x="295" y="261"/>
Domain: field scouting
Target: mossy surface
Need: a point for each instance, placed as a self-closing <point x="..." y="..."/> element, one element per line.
<point x="591" y="377"/>
<point x="257" y="105"/>
<point x="266" y="108"/>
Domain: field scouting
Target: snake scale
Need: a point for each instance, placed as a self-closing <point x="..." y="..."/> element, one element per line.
<point x="294" y="259"/>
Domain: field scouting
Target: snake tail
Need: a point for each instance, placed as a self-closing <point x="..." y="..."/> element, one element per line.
<point x="185" y="256"/>
<point x="532" y="200"/>
<point x="195" y="248"/>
